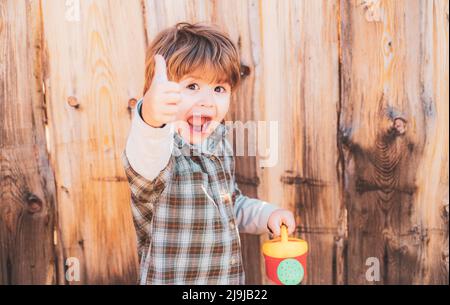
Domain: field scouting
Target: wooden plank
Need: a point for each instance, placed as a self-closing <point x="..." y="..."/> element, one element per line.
<point x="359" y="90"/>
<point x="232" y="17"/>
<point x="432" y="174"/>
<point x="394" y="121"/>
<point x="162" y="14"/>
<point x="27" y="194"/>
<point x="94" y="64"/>
<point x="299" y="90"/>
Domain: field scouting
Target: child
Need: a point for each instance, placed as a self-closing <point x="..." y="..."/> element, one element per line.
<point x="187" y="208"/>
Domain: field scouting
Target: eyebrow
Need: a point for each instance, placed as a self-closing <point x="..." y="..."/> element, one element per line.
<point x="194" y="77"/>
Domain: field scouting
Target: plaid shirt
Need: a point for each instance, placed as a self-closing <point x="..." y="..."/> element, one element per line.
<point x="184" y="218"/>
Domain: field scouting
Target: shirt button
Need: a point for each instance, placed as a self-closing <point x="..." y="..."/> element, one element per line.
<point x="233" y="260"/>
<point x="232" y="225"/>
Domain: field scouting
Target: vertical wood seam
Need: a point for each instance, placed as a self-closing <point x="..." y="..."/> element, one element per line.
<point x="144" y="21"/>
<point x="56" y="230"/>
<point x="340" y="166"/>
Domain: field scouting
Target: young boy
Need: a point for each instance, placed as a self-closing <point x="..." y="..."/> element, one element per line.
<point x="187" y="208"/>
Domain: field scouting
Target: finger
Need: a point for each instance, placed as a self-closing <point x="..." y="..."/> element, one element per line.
<point x="181" y="124"/>
<point x="172" y="98"/>
<point x="290" y="223"/>
<point x="171" y="87"/>
<point x="172" y="102"/>
<point x="166" y="118"/>
<point x="160" y="69"/>
<point x="276" y="229"/>
<point x="169" y="110"/>
<point x="170" y="118"/>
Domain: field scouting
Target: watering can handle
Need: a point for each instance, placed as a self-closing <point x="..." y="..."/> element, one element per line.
<point x="284" y="233"/>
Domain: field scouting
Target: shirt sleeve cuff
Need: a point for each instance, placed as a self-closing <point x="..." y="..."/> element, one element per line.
<point x="147" y="131"/>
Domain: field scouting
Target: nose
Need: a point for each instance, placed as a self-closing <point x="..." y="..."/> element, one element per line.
<point x="207" y="103"/>
<point x="204" y="106"/>
<point x="206" y="100"/>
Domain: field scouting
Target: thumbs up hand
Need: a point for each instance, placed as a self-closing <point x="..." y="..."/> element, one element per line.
<point x="160" y="104"/>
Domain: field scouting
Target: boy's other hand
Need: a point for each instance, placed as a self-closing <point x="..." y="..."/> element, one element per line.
<point x="160" y="105"/>
<point x="279" y="217"/>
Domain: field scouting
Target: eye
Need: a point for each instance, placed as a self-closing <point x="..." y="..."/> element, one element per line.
<point x="220" y="89"/>
<point x="193" y="86"/>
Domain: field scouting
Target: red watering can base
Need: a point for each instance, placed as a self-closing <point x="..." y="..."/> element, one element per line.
<point x="286" y="271"/>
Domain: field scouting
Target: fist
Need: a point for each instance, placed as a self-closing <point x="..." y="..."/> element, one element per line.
<point x="279" y="217"/>
<point x="160" y="105"/>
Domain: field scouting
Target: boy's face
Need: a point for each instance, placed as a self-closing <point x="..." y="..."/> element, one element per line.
<point x="203" y="106"/>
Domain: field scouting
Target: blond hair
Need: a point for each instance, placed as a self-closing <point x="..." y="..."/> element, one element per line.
<point x="190" y="47"/>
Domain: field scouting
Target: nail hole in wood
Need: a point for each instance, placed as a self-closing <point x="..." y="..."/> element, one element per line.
<point x="73" y="102"/>
<point x="132" y="103"/>
<point x="245" y="71"/>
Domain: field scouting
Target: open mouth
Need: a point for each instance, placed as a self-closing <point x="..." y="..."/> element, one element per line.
<point x="199" y="123"/>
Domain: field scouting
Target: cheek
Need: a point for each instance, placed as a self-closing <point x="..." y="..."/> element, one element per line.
<point x="222" y="108"/>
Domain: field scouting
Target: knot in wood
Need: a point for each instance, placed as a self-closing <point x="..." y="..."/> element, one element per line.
<point x="400" y="125"/>
<point x="34" y="203"/>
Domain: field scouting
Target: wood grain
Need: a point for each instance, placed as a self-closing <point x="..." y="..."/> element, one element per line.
<point x="394" y="116"/>
<point x="27" y="193"/>
<point x="97" y="59"/>
<point x="359" y="90"/>
<point x="300" y="91"/>
<point x="233" y="18"/>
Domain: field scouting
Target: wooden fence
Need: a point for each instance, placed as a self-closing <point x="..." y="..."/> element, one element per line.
<point x="359" y="88"/>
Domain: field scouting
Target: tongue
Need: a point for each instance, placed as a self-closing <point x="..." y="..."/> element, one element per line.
<point x="197" y="128"/>
<point x="197" y="120"/>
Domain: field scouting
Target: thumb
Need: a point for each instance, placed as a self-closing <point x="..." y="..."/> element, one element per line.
<point x="160" y="69"/>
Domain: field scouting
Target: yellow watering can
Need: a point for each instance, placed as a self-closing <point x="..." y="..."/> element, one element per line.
<point x="285" y="259"/>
